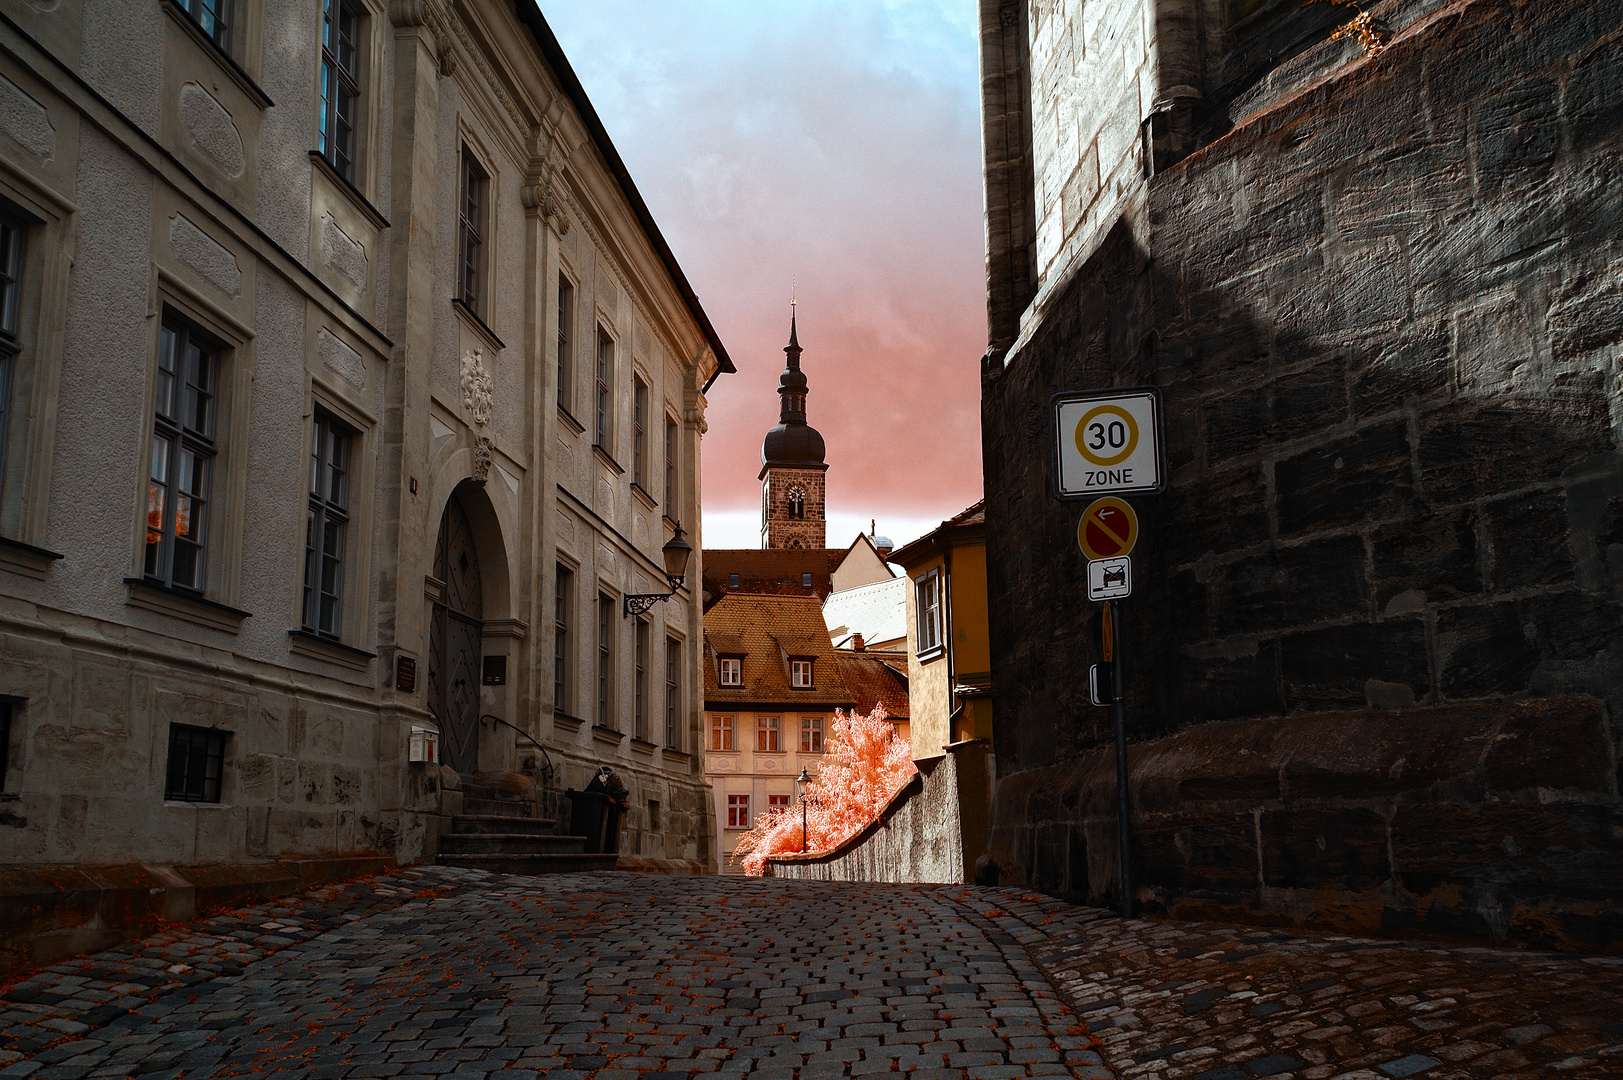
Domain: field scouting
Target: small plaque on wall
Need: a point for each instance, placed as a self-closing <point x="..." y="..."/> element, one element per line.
<point x="495" y="671"/>
<point x="405" y="674"/>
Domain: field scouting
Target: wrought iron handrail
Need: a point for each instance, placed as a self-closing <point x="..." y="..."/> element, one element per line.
<point x="547" y="770"/>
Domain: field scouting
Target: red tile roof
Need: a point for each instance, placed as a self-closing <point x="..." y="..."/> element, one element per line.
<point x="872" y="681"/>
<point x="767" y="630"/>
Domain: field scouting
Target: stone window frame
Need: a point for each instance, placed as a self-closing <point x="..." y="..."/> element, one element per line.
<point x="238" y="56"/>
<point x="642" y="636"/>
<point x="673" y="465"/>
<point x="348" y="80"/>
<point x="212" y="743"/>
<point x="216" y="605"/>
<point x="36" y="372"/>
<point x="640" y="395"/>
<point x="675" y="648"/>
<point x="350" y="648"/>
<point x="565" y="342"/>
<point x="566" y="620"/>
<point x="607" y="641"/>
<point x="172" y="426"/>
<point x="811" y="734"/>
<point x="605" y="358"/>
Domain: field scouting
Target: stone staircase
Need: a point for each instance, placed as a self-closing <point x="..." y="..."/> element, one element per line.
<point x="499" y="831"/>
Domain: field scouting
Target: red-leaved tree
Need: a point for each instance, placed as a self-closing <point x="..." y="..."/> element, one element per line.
<point x="864" y="765"/>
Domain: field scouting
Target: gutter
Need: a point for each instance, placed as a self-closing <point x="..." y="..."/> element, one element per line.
<point x="529" y="13"/>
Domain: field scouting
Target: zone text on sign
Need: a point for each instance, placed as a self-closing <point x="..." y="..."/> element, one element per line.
<point x="1108" y="441"/>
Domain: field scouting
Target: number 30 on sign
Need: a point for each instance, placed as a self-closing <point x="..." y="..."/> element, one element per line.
<point x="1108" y="441"/>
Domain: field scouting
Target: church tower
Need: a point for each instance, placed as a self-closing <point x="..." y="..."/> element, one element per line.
<point x="792" y="465"/>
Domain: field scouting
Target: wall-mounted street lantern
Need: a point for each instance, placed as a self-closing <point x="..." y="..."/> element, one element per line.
<point x="677" y="551"/>
<point x="800" y="785"/>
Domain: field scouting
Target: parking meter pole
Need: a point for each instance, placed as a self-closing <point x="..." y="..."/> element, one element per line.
<point x="1118" y="710"/>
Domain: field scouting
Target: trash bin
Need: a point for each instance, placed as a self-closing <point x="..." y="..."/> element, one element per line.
<point x="596" y="812"/>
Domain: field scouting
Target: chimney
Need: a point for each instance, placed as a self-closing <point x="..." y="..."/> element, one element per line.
<point x="857" y="643"/>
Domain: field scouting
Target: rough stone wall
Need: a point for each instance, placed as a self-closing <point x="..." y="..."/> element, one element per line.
<point x="1386" y="320"/>
<point x="782" y="531"/>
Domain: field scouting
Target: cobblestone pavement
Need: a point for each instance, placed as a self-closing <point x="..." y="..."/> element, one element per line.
<point x="610" y="976"/>
<point x="1171" y="1001"/>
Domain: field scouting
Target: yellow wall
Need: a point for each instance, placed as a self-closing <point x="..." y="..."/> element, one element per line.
<point x="930" y="684"/>
<point x="971" y="641"/>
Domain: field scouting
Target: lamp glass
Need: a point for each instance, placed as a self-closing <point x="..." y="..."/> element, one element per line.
<point x="677" y="551"/>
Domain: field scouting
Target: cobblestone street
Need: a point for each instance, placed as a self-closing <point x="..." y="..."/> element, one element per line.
<point x="447" y="972"/>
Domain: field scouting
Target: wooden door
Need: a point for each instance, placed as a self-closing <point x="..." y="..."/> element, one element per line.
<point x="458" y="633"/>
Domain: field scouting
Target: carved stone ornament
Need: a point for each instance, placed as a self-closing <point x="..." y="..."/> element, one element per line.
<point x="476" y="386"/>
<point x="484" y="452"/>
<point x="541" y="201"/>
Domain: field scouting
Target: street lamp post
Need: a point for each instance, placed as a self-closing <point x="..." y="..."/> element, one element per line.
<point x="677" y="552"/>
<point x="800" y="785"/>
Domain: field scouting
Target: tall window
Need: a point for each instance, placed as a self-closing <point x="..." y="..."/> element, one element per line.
<point x="340" y="84"/>
<point x="471" y="233"/>
<point x="927" y="593"/>
<point x="721" y="732"/>
<point x="560" y="640"/>
<point x="639" y="424"/>
<point x="214" y="16"/>
<point x="811" y="734"/>
<point x="641" y="712"/>
<point x="768" y="734"/>
<point x="605" y="358"/>
<point x="328" y="522"/>
<point x="670" y="469"/>
<point x="732" y="671"/>
<point x="800" y="674"/>
<point x="5" y="741"/>
<point x="673" y="690"/>
<point x="738" y="811"/>
<point x="605" y="657"/>
<point x="196" y="757"/>
<point x="182" y="459"/>
<point x="566" y="365"/>
<point x="12" y="233"/>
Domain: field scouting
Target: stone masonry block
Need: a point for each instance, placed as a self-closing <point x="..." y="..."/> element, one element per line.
<point x="1431" y="558"/>
<point x="1293" y="586"/>
<point x="1366" y="476"/>
<point x="1367" y="663"/>
<point x="1528" y="543"/>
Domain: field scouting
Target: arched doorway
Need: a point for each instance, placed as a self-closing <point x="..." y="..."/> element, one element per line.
<point x="457" y="631"/>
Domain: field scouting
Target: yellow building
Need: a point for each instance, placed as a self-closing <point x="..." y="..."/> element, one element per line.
<point x="948" y="644"/>
<point x="772" y="682"/>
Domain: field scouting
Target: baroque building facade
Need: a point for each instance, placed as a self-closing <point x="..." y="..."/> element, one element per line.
<point x="347" y="386"/>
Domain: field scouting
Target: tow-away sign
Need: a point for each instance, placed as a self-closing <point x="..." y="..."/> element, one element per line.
<point x="1108" y="441"/>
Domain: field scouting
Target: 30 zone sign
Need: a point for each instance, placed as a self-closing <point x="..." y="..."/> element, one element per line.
<point x="1108" y="441"/>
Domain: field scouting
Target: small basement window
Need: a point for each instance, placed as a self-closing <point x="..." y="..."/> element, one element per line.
<point x="196" y="758"/>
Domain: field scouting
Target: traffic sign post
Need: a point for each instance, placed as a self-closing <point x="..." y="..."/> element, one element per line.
<point x="1109" y="442"/>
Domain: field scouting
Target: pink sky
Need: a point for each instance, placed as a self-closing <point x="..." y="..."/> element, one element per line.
<point x="833" y="148"/>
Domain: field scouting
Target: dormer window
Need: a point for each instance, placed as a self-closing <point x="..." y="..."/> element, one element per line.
<point x="800" y="674"/>
<point x="732" y="581"/>
<point x="732" y="671"/>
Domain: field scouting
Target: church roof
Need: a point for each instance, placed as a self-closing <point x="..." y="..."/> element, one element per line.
<point x="792" y="443"/>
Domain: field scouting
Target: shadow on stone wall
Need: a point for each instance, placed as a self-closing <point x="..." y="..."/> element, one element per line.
<point x="1387" y="321"/>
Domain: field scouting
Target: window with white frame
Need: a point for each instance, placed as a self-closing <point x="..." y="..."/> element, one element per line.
<point x="738" y="811"/>
<point x="768" y="734"/>
<point x="340" y="83"/>
<point x="327" y="526"/>
<point x="721" y="732"/>
<point x="800" y="674"/>
<point x="12" y="235"/>
<point x="183" y="451"/>
<point x="811" y="734"/>
<point x="732" y="671"/>
<point x="927" y="594"/>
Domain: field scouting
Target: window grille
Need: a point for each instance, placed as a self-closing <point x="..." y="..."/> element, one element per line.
<point x="732" y="671"/>
<point x="721" y="733"/>
<point x="767" y="740"/>
<point x="196" y="759"/>
<point x="800" y="674"/>
<point x="811" y="734"/>
<point x="738" y="811"/>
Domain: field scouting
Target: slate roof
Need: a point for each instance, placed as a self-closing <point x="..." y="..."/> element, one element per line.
<point x="768" y="629"/>
<point x="966" y="526"/>
<point x="877" y="611"/>
<point x="872" y="680"/>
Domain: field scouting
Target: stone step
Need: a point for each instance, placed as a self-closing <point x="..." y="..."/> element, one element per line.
<point x="530" y="864"/>
<point x="498" y="806"/>
<point x="503" y="823"/>
<point x="483" y="843"/>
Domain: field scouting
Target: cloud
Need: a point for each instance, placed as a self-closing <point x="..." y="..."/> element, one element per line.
<point x="832" y="148"/>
